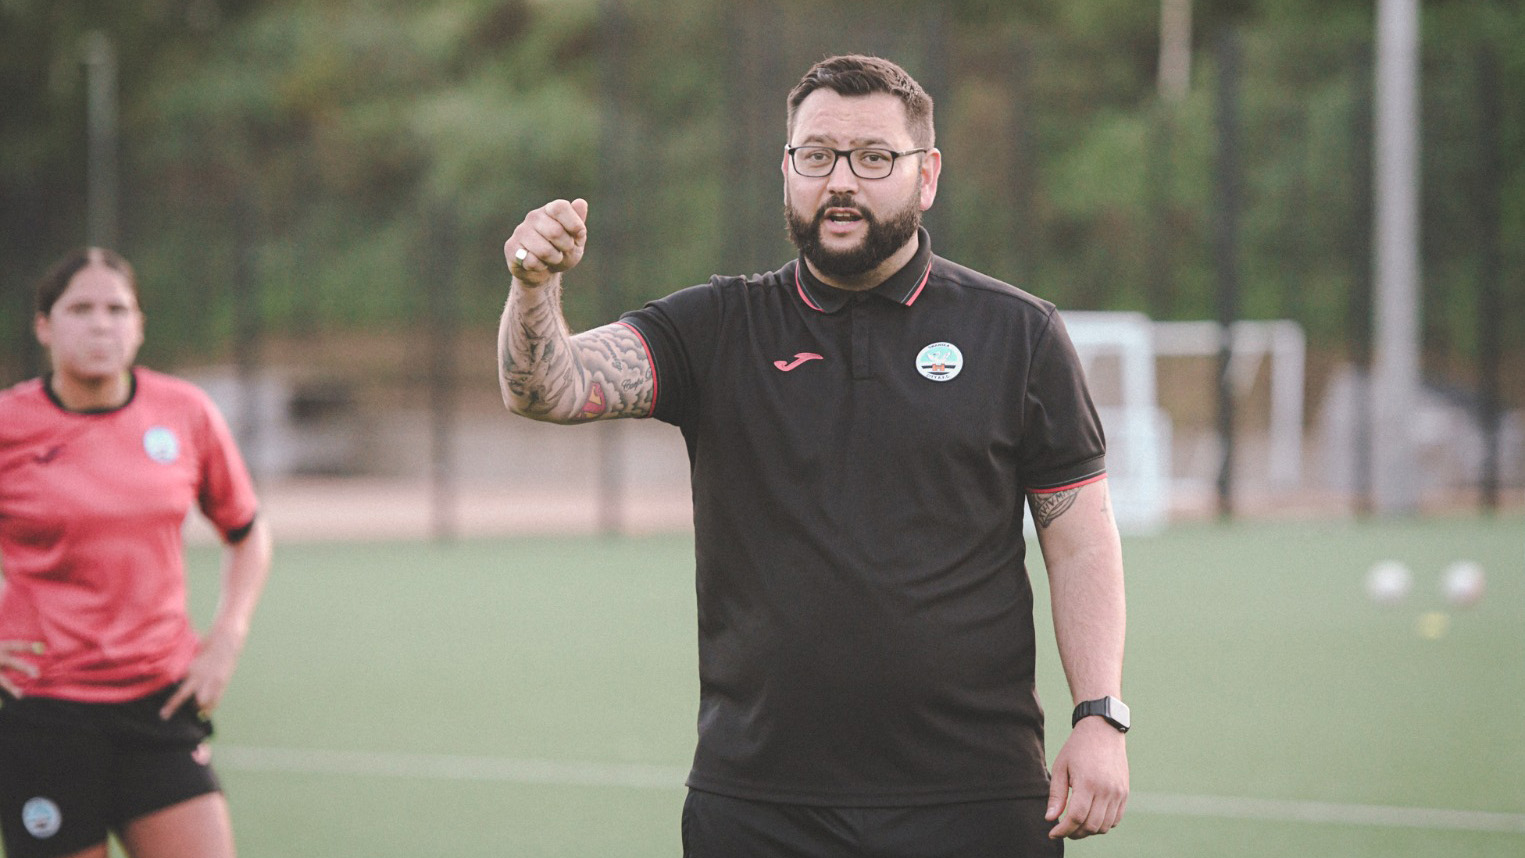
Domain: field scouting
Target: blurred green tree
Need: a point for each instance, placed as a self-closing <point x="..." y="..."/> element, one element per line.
<point x="314" y="151"/>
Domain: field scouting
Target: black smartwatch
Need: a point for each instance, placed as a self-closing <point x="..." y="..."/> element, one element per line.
<point x="1113" y="710"/>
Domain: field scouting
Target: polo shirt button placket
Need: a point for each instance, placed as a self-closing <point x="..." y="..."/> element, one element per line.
<point x="861" y="338"/>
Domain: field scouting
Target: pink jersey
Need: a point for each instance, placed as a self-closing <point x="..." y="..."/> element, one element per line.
<point x="91" y="511"/>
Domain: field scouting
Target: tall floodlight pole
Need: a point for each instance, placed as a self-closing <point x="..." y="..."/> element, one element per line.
<point x="1226" y="252"/>
<point x="99" y="57"/>
<point x="614" y="27"/>
<point x="1175" y="50"/>
<point x="1395" y="160"/>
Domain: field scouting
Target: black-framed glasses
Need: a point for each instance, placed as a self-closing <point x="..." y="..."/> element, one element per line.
<point x="867" y="163"/>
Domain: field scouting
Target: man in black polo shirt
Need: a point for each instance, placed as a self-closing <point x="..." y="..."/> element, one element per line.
<point x="863" y="425"/>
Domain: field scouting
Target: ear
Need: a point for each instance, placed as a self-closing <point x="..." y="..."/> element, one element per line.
<point x="783" y="167"/>
<point x="43" y="329"/>
<point x="931" y="169"/>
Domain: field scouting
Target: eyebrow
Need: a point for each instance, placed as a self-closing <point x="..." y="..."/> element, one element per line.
<point x="90" y="302"/>
<point x="855" y="143"/>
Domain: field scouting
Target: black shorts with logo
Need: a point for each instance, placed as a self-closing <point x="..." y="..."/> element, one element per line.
<point x="71" y="772"/>
<point x="717" y="826"/>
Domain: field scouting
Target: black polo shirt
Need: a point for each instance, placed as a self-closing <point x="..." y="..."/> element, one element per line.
<point x="859" y="464"/>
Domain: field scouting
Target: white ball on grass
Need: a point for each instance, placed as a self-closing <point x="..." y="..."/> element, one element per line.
<point x="1388" y="582"/>
<point x="1464" y="582"/>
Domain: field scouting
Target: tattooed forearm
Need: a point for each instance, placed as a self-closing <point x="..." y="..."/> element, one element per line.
<point x="1049" y="506"/>
<point x="535" y="362"/>
<point x="547" y="374"/>
<point x="619" y="370"/>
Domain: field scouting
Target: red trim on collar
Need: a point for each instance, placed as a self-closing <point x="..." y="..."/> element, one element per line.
<point x="916" y="293"/>
<point x="800" y="287"/>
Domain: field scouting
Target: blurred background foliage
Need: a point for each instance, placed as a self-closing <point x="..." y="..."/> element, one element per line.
<point x="336" y="162"/>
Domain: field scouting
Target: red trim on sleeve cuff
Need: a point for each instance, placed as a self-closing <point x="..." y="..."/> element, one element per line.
<point x="650" y="359"/>
<point x="1085" y="482"/>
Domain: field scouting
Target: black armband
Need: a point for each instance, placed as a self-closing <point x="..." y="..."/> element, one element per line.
<point x="239" y="534"/>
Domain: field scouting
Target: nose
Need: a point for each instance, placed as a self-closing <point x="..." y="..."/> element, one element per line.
<point x="842" y="178"/>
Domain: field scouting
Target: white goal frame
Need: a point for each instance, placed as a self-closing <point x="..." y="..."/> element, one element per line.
<point x="1251" y="343"/>
<point x="1138" y="432"/>
<point x="1120" y="351"/>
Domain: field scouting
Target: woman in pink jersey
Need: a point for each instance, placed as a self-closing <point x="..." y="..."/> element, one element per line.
<point x="105" y="687"/>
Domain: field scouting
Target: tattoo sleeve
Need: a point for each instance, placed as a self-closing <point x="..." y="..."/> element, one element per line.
<point x="548" y="374"/>
<point x="1049" y="506"/>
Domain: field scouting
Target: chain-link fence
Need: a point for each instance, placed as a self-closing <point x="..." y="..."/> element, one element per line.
<point x="369" y="363"/>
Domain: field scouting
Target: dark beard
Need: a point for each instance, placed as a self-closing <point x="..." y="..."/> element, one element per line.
<point x="883" y="239"/>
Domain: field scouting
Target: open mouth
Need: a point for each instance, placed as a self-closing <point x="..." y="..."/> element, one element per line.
<point x="841" y="220"/>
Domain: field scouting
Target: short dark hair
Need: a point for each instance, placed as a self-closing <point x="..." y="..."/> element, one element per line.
<point x="56" y="281"/>
<point x="856" y="74"/>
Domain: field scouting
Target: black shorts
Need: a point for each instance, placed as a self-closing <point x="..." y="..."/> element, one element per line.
<point x="717" y="826"/>
<point x="70" y="772"/>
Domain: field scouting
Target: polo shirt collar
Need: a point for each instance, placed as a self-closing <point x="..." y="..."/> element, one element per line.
<point x="902" y="287"/>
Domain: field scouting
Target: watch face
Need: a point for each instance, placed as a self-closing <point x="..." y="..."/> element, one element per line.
<point x="1117" y="712"/>
<point x="1110" y="708"/>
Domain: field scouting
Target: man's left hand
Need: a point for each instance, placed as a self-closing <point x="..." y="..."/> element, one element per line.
<point x="1090" y="785"/>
